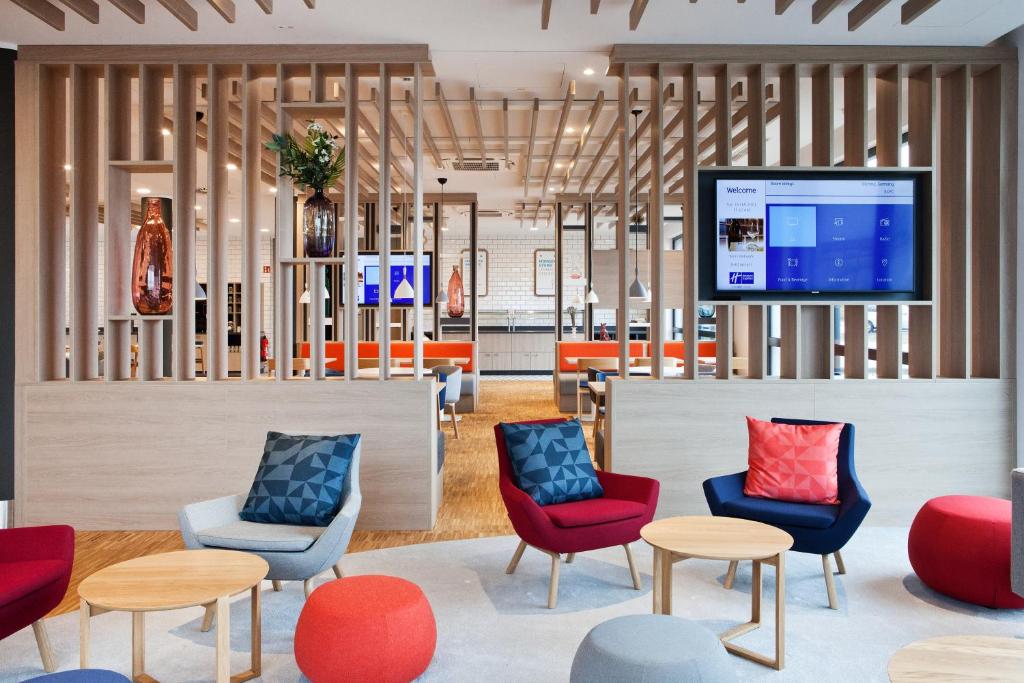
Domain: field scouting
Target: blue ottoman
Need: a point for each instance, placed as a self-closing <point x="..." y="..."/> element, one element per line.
<point x="654" y="648"/>
<point x="82" y="676"/>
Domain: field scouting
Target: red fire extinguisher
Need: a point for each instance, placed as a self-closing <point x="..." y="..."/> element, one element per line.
<point x="264" y="348"/>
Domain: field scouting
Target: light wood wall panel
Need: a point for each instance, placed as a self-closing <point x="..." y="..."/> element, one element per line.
<point x="953" y="435"/>
<point x="91" y="455"/>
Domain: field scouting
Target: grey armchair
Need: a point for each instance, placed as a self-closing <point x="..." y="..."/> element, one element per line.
<point x="452" y="391"/>
<point x="1017" y="534"/>
<point x="294" y="553"/>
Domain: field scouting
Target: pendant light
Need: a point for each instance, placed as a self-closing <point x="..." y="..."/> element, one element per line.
<point x="404" y="289"/>
<point x="591" y="297"/>
<point x="442" y="295"/>
<point x="305" y="298"/>
<point x="636" y="289"/>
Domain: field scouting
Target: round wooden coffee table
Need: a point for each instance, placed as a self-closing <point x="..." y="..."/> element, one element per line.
<point x="723" y="538"/>
<point x="186" y="578"/>
<point x="959" y="658"/>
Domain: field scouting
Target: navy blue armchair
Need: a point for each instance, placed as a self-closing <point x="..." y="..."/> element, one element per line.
<point x="818" y="529"/>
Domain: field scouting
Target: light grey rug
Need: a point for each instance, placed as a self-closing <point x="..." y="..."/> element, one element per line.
<point x="495" y="627"/>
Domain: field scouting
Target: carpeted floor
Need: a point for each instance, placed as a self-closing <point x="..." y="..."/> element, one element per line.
<point x="495" y="627"/>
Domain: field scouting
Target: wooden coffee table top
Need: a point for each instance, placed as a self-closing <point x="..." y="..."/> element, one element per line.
<point x="716" y="538"/>
<point x="184" y="578"/>
<point x="959" y="658"/>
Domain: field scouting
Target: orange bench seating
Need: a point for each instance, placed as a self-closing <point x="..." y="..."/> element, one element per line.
<point x="610" y="349"/>
<point x="399" y="349"/>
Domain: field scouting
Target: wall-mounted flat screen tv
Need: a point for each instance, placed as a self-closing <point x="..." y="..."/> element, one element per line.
<point x="814" y="233"/>
<point x="401" y="267"/>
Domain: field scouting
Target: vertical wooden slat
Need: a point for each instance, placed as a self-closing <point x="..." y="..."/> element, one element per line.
<point x="317" y="302"/>
<point x="117" y="219"/>
<point x="757" y="318"/>
<point x="723" y="157"/>
<point x="184" y="237"/>
<point x="656" y="221"/>
<point x="216" y="351"/>
<point x="84" y="223"/>
<point x="817" y="355"/>
<point x="151" y="148"/>
<point x="816" y="333"/>
<point x="417" y="254"/>
<point x="626" y="209"/>
<point x="986" y="224"/>
<point x="251" y="164"/>
<point x="352" y="222"/>
<point x="284" y="275"/>
<point x="33" y="298"/>
<point x="1009" y="159"/>
<point x="822" y="116"/>
<point x="954" y="226"/>
<point x="757" y="342"/>
<point x="384" y="226"/>
<point x="51" y="125"/>
<point x="791" y="342"/>
<point x="855" y="146"/>
<point x="921" y="131"/>
<point x="888" y="140"/>
<point x="690" y="105"/>
<point x="789" y="117"/>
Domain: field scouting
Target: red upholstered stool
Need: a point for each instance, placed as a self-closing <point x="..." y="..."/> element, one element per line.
<point x="365" y="628"/>
<point x="960" y="547"/>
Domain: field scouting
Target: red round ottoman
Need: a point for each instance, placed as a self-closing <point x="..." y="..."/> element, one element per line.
<point x="960" y="547"/>
<point x="365" y="628"/>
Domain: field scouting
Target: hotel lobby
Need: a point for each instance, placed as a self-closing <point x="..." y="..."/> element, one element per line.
<point x="630" y="340"/>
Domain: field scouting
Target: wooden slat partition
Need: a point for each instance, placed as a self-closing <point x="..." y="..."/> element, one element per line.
<point x="625" y="211"/>
<point x="151" y="148"/>
<point x="723" y="157"/>
<point x="791" y="342"/>
<point x="384" y="225"/>
<point x="816" y="341"/>
<point x="954" y="193"/>
<point x="284" y="291"/>
<point x="117" y="218"/>
<point x="789" y="155"/>
<point x="84" y="226"/>
<point x="53" y="155"/>
<point x="855" y="154"/>
<point x="251" y="150"/>
<point x="216" y="351"/>
<point x="691" y="104"/>
<point x="889" y="139"/>
<point x="656" y="221"/>
<point x="987" y="241"/>
<point x="184" y="235"/>
<point x="351" y="240"/>
<point x="921" y="131"/>
<point x="757" y="317"/>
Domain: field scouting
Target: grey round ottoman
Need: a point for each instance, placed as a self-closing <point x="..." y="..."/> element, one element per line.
<point x="653" y="648"/>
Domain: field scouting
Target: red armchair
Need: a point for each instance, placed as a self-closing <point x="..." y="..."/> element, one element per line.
<point x="614" y="519"/>
<point x="35" y="568"/>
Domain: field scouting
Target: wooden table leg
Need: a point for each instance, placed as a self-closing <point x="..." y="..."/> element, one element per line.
<point x="780" y="610"/>
<point x="138" y="644"/>
<point x="666" y="582"/>
<point x="257" y="636"/>
<point x="656" y="592"/>
<point x="83" y="635"/>
<point x="756" y="593"/>
<point x="223" y="640"/>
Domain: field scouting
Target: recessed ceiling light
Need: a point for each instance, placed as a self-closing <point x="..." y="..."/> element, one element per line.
<point x="284" y="27"/>
<point x="444" y="229"/>
<point x="588" y="71"/>
<point x="559" y="164"/>
<point x="67" y="167"/>
<point x="534" y="228"/>
<point x="232" y="167"/>
<point x="143" y="190"/>
<point x="570" y="129"/>
<point x="273" y="190"/>
<point x="552" y="189"/>
<point x="198" y="208"/>
<point x="234" y="220"/>
<point x="264" y="229"/>
<point x="165" y="131"/>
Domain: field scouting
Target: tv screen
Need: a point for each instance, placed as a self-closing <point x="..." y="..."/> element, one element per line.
<point x="401" y="267"/>
<point x="803" y="234"/>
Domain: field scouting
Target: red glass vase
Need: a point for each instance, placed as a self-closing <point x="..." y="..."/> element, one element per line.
<point x="456" y="297"/>
<point x="152" y="265"/>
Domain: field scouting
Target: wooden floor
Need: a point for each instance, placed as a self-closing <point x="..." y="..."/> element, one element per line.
<point x="471" y="508"/>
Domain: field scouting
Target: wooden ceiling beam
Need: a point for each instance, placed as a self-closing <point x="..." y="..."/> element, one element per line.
<point x="266" y="5"/>
<point x="529" y="148"/>
<point x="563" y="120"/>
<point x="822" y="8"/>
<point x="782" y="5"/>
<point x="478" y="124"/>
<point x="608" y="138"/>
<point x="183" y="12"/>
<point x="636" y="13"/>
<point x="545" y="14"/>
<point x="225" y="8"/>
<point x="588" y="129"/>
<point x="410" y="104"/>
<point x="44" y="11"/>
<point x="449" y="122"/>
<point x="863" y="11"/>
<point x="134" y="9"/>
<point x="311" y="4"/>
<point x="912" y="9"/>
<point x="87" y="9"/>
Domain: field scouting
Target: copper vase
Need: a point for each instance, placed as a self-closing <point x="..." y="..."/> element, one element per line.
<point x="152" y="265"/>
<point x="456" y="297"/>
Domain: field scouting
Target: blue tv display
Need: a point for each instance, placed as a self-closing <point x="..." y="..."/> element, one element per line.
<point x="401" y="267"/>
<point x="787" y="234"/>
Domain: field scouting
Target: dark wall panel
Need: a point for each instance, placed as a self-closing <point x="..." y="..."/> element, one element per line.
<point x="7" y="274"/>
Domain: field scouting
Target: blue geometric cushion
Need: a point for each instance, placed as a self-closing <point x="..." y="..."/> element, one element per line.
<point x="551" y="462"/>
<point x="300" y="479"/>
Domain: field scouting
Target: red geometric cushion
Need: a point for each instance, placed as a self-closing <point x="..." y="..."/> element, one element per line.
<point x="797" y="463"/>
<point x="592" y="511"/>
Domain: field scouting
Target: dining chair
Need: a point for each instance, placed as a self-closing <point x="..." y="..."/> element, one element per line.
<point x="431" y="363"/>
<point x="582" y="365"/>
<point x="451" y="375"/>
